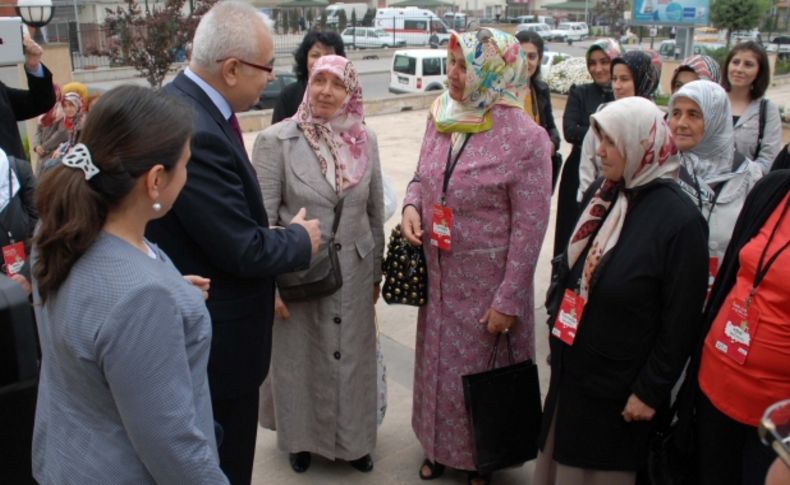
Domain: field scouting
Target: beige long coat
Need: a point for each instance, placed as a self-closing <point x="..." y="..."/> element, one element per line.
<point x="320" y="394"/>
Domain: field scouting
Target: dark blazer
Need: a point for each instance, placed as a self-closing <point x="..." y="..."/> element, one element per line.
<point x="218" y="228"/>
<point x="19" y="217"/>
<point x="288" y="102"/>
<point x="21" y="104"/>
<point x="547" y="122"/>
<point x="636" y="333"/>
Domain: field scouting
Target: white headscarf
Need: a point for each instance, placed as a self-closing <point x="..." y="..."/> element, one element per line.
<point x="711" y="160"/>
<point x="642" y="137"/>
<point x="7" y="193"/>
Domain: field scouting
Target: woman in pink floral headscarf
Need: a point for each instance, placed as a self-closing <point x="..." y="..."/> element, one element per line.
<point x="320" y="394"/>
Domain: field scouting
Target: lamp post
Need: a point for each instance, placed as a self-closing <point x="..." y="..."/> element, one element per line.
<point x="35" y="13"/>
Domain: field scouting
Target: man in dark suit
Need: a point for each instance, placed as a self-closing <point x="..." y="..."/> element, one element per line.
<point x="21" y="104"/>
<point x="218" y="227"/>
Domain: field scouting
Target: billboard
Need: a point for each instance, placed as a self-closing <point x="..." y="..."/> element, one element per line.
<point x="671" y="12"/>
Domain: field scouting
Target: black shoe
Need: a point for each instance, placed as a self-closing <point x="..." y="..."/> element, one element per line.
<point x="435" y="470"/>
<point x="364" y="464"/>
<point x="300" y="462"/>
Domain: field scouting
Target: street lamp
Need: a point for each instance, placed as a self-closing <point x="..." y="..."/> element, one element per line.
<point x="35" y="13"/>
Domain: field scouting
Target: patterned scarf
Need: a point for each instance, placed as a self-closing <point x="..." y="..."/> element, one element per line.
<point x="496" y="73"/>
<point x="642" y="137"/>
<point x="55" y="113"/>
<point x="644" y="71"/>
<point x="72" y="123"/>
<point x="705" y="67"/>
<point x="609" y="46"/>
<point x="711" y="160"/>
<point x="343" y="135"/>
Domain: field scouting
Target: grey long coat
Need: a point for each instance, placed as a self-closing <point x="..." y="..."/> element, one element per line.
<point x="320" y="394"/>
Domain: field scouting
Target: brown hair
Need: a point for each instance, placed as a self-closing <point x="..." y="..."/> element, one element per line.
<point x="760" y="84"/>
<point x="130" y="130"/>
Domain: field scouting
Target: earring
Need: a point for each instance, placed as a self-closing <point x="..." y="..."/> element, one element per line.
<point x="157" y="206"/>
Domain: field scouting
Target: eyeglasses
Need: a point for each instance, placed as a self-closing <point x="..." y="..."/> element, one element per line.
<point x="774" y="429"/>
<point x="269" y="68"/>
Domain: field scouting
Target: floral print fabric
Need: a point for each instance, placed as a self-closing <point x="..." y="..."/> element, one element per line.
<point x="496" y="73"/>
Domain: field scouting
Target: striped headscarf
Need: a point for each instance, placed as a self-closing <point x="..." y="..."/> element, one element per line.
<point x="496" y="73"/>
<point x="705" y="67"/>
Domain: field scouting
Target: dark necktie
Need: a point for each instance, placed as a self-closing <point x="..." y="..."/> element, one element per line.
<point x="234" y="123"/>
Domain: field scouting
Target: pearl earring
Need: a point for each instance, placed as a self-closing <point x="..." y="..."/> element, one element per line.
<point x="157" y="206"/>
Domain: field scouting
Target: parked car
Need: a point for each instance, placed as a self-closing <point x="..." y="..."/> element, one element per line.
<point x="418" y="70"/>
<point x="272" y="90"/>
<point x="370" y="38"/>
<point x="550" y="58"/>
<point x="543" y="30"/>
<point x="668" y="49"/>
<point x="570" y="31"/>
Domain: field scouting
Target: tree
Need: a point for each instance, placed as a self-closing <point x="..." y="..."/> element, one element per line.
<point x="734" y="15"/>
<point x="293" y="21"/>
<point x="150" y="41"/>
<point x="370" y="16"/>
<point x="310" y="18"/>
<point x="342" y="20"/>
<point x="611" y="12"/>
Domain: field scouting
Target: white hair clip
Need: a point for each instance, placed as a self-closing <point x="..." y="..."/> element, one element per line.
<point x="79" y="157"/>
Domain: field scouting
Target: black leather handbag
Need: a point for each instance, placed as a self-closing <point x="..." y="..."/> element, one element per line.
<point x="322" y="278"/>
<point x="405" y="273"/>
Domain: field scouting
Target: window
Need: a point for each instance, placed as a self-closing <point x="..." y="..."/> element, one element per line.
<point x="404" y="65"/>
<point x="431" y="66"/>
<point x="438" y="27"/>
<point x="421" y="25"/>
<point x="349" y="32"/>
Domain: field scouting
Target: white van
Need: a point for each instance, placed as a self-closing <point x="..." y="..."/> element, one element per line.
<point x="570" y="31"/>
<point x="418" y="70"/>
<point x="357" y="9"/>
<point x="414" y="25"/>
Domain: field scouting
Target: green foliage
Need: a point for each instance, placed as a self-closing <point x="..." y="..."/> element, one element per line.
<point x="342" y="20"/>
<point x="293" y="21"/>
<point x="150" y="40"/>
<point x="322" y="22"/>
<point x="732" y="15"/>
<point x="26" y="147"/>
<point x="310" y="17"/>
<point x="661" y="99"/>
<point x="353" y="18"/>
<point x="782" y="66"/>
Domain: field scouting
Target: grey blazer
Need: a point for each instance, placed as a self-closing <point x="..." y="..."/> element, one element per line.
<point x="747" y="130"/>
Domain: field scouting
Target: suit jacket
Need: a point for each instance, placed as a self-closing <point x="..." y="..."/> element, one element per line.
<point x="218" y="228"/>
<point x="21" y="104"/>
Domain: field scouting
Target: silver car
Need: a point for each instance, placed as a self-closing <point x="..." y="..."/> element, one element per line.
<point x="370" y="38"/>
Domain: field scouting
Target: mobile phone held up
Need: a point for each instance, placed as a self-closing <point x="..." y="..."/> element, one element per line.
<point x="11" y="50"/>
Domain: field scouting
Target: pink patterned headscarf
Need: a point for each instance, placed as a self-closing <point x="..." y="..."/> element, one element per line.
<point x="642" y="137"/>
<point x="343" y="134"/>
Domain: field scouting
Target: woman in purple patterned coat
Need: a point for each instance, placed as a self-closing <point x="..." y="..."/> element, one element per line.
<point x="479" y="205"/>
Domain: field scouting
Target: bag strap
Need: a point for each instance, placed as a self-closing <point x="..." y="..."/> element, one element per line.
<point x="338" y="212"/>
<point x="761" y="127"/>
<point x="492" y="357"/>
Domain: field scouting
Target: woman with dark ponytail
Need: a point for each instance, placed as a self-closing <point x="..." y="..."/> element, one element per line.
<point x="123" y="394"/>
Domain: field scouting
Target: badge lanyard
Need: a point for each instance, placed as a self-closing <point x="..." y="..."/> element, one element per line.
<point x="762" y="265"/>
<point x="450" y="167"/>
<point x="700" y="201"/>
<point x="442" y="216"/>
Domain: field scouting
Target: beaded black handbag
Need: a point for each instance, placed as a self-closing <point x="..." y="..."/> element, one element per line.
<point x="405" y="273"/>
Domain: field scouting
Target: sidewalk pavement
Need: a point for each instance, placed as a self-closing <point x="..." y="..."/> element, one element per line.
<point x="398" y="454"/>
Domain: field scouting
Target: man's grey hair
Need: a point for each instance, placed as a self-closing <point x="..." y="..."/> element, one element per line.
<point x="227" y="30"/>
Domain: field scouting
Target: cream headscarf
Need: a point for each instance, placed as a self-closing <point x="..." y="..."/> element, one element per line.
<point x="496" y="73"/>
<point x="642" y="137"/>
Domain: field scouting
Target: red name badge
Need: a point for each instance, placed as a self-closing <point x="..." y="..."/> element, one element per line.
<point x="440" y="227"/>
<point x="735" y="338"/>
<point x="569" y="316"/>
<point x="14" y="258"/>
